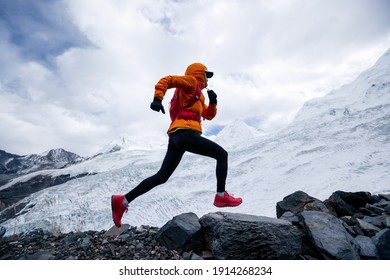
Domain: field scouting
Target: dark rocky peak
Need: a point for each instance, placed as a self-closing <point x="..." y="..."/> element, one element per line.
<point x="12" y="165"/>
<point x="60" y="156"/>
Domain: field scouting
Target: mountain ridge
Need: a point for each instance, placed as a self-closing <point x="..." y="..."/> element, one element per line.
<point x="12" y="165"/>
<point x="369" y="89"/>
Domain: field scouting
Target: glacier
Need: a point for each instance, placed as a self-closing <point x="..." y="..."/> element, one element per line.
<point x="340" y="141"/>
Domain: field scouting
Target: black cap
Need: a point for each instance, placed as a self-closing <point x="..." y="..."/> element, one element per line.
<point x="208" y="74"/>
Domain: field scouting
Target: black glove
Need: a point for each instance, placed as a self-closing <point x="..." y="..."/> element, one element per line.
<point x="157" y="106"/>
<point x="212" y="96"/>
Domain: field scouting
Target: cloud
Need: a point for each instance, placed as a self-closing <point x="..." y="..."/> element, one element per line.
<point x="82" y="72"/>
<point x="40" y="30"/>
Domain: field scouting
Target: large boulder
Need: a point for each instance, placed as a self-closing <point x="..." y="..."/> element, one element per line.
<point x="242" y="236"/>
<point x="298" y="202"/>
<point x="329" y="237"/>
<point x="346" y="226"/>
<point x="182" y="233"/>
<point x="347" y="203"/>
<point x="367" y="247"/>
<point x="382" y="242"/>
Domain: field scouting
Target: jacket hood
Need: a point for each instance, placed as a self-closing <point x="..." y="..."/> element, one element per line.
<point x="197" y="70"/>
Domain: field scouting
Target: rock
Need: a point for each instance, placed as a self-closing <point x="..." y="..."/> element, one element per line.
<point x="116" y="231"/>
<point x="382" y="243"/>
<point x="355" y="199"/>
<point x="375" y="209"/>
<point x="316" y="206"/>
<point x="385" y="196"/>
<point x="387" y="209"/>
<point x="242" y="236"/>
<point x="85" y="243"/>
<point x="350" y="229"/>
<point x="2" y="231"/>
<point x="294" y="203"/>
<point x="378" y="221"/>
<point x="329" y="237"/>
<point x="291" y="217"/>
<point x="182" y="233"/>
<point x="346" y="203"/>
<point x="367" y="247"/>
<point x="339" y="206"/>
<point x="382" y="203"/>
<point x="207" y="255"/>
<point x="368" y="229"/>
<point x="191" y="256"/>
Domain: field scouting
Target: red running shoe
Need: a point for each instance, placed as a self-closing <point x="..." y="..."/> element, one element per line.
<point x="227" y="200"/>
<point x="118" y="209"/>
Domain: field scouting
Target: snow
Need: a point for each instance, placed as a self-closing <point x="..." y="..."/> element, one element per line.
<point x="338" y="142"/>
<point x="127" y="142"/>
<point x="235" y="133"/>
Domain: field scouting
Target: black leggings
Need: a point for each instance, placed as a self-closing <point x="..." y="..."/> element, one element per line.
<point x="181" y="141"/>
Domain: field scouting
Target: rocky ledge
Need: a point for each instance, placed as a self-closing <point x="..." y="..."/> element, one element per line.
<point x="346" y="226"/>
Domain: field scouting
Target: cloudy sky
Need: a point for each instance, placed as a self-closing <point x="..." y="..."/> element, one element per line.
<point x="77" y="74"/>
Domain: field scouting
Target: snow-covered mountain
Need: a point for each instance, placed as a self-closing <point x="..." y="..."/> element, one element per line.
<point x="338" y="142"/>
<point x="235" y="133"/>
<point x="55" y="158"/>
<point x="368" y="93"/>
<point x="126" y="143"/>
<point x="12" y="165"/>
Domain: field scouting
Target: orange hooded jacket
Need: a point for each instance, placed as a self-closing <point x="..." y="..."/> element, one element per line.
<point x="187" y="85"/>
